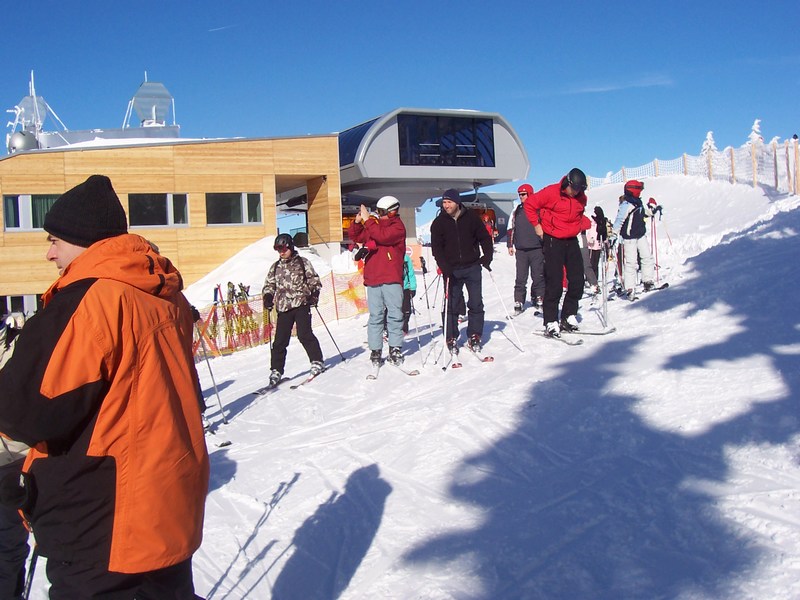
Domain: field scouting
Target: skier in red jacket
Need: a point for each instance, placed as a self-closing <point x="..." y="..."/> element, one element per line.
<point x="556" y="213"/>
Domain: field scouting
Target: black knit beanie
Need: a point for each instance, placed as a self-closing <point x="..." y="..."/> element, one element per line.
<point x="87" y="213"/>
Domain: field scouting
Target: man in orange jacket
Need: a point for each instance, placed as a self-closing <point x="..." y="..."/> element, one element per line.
<point x="102" y="386"/>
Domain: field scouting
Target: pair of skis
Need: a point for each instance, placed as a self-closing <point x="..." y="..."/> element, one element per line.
<point x="455" y="363"/>
<point x="376" y="367"/>
<point x="576" y="341"/>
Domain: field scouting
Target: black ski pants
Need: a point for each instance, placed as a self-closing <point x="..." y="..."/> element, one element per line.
<point x="471" y="278"/>
<point x="13" y="542"/>
<point x="562" y="255"/>
<point x="78" y="581"/>
<point x="530" y="261"/>
<point x="300" y="317"/>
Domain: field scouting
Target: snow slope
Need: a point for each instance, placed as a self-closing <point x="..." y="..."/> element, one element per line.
<point x="661" y="461"/>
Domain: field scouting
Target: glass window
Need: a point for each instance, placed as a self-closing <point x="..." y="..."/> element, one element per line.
<point x="445" y="141"/>
<point x="40" y="205"/>
<point x="180" y="209"/>
<point x="254" y="208"/>
<point x="149" y="210"/>
<point x="11" y="211"/>
<point x="233" y="208"/>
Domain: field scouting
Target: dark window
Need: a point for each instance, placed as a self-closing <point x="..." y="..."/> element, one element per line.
<point x="40" y="205"/>
<point x="233" y="208"/>
<point x="349" y="141"/>
<point x="445" y="141"/>
<point x="254" y="208"/>
<point x="180" y="210"/>
<point x="148" y="210"/>
<point x="11" y="211"/>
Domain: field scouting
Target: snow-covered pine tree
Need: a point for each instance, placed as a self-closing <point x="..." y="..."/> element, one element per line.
<point x="708" y="144"/>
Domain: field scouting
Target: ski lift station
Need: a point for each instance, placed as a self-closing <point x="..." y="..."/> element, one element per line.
<point x="203" y="200"/>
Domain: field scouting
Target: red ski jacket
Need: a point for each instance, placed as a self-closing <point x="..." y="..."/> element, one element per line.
<point x="384" y="263"/>
<point x="560" y="215"/>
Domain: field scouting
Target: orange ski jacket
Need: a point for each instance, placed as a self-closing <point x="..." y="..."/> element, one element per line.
<point x="102" y="385"/>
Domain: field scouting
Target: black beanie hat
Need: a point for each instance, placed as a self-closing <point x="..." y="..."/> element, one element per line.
<point x="87" y="213"/>
<point x="452" y="194"/>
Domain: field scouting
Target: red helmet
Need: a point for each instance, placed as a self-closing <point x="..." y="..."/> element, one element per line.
<point x="526" y="188"/>
<point x="486" y="217"/>
<point x="634" y="188"/>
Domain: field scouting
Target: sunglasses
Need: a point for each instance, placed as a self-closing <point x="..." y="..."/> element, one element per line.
<point x="281" y="248"/>
<point x="523" y="193"/>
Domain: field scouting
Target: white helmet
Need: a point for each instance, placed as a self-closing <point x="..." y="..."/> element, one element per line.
<point x="388" y="203"/>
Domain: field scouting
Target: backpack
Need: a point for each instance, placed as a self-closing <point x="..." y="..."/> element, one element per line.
<point x="633" y="226"/>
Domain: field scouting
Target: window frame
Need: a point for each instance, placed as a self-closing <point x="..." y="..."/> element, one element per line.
<point x="170" y="203"/>
<point x="250" y="208"/>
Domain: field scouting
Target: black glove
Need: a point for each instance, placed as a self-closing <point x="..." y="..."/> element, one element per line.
<point x="313" y="299"/>
<point x="195" y="314"/>
<point x="361" y="254"/>
<point x="485" y="261"/>
<point x="444" y="270"/>
<point x="269" y="300"/>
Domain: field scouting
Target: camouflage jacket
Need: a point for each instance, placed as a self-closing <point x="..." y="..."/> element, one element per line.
<point x="293" y="282"/>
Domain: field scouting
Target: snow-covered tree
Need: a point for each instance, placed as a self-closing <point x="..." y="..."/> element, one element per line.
<point x="755" y="134"/>
<point x="708" y="144"/>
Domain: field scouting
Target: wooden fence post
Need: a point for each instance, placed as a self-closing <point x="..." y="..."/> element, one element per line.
<point x="788" y="167"/>
<point x="775" y="161"/>
<point x="796" y="164"/>
<point x="655" y="166"/>
<point x="335" y="299"/>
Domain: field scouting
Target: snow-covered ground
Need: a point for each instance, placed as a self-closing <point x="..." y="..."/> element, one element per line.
<point x="661" y="461"/>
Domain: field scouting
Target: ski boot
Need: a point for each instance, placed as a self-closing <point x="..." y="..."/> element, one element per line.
<point x="474" y="342"/>
<point x="552" y="330"/>
<point x="517" y="308"/>
<point x="649" y="286"/>
<point x="274" y="378"/>
<point x="317" y="367"/>
<point x="375" y="358"/>
<point x="452" y="346"/>
<point x="570" y="324"/>
<point x="395" y="355"/>
<point x="538" y="302"/>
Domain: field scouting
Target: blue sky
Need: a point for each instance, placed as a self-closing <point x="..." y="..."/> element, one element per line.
<point x="588" y="84"/>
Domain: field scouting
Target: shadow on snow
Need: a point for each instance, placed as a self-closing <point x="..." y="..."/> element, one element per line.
<point x="586" y="500"/>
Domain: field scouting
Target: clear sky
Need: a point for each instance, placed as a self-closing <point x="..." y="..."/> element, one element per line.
<point x="597" y="85"/>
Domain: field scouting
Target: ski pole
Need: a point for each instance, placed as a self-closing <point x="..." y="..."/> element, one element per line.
<point x="425" y="285"/>
<point x="654" y="247"/>
<point x="26" y="592"/>
<point x="329" y="332"/>
<point x="604" y="277"/>
<point x="508" y="317"/>
<point x="210" y="372"/>
<point x="445" y="318"/>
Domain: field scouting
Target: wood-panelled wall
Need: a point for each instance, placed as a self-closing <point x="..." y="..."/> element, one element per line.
<point x="265" y="166"/>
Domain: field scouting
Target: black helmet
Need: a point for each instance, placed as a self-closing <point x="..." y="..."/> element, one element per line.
<point x="283" y="240"/>
<point x="576" y="179"/>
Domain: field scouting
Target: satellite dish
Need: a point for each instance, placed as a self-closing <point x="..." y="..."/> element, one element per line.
<point x="21" y="141"/>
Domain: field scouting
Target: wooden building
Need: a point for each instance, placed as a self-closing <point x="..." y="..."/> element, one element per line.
<point x="200" y="201"/>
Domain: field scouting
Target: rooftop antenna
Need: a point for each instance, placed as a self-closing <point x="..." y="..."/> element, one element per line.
<point x="29" y="118"/>
<point x="152" y="102"/>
